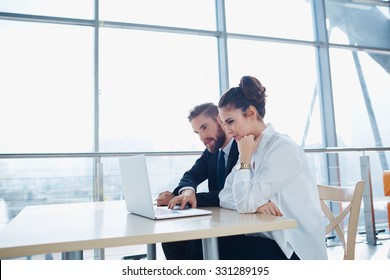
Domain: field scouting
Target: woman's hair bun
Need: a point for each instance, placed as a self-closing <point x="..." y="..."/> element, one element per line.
<point x="253" y="89"/>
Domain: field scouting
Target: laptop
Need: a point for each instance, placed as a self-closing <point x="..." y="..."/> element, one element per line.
<point x="138" y="196"/>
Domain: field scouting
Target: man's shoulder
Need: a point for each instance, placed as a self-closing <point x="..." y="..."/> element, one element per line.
<point x="205" y="157"/>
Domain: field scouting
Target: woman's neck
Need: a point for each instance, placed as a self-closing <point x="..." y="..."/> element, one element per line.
<point x="260" y="126"/>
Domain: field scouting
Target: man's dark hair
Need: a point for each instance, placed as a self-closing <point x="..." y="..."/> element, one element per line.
<point x="208" y="109"/>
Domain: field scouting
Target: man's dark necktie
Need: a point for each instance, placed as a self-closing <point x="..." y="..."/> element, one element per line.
<point x="221" y="169"/>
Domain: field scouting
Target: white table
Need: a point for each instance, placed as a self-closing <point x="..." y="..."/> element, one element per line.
<point x="72" y="228"/>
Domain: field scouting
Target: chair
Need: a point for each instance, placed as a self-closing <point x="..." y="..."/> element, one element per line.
<point x="353" y="195"/>
<point x="386" y="185"/>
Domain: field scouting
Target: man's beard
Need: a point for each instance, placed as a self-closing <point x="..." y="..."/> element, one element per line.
<point x="218" y="141"/>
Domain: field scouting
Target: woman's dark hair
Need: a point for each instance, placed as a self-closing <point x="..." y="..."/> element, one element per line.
<point x="208" y="109"/>
<point x="249" y="92"/>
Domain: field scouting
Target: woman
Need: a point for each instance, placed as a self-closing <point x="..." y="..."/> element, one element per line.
<point x="271" y="167"/>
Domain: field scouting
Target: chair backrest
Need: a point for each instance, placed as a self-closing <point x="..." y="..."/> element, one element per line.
<point x="386" y="185"/>
<point x="353" y="197"/>
<point x="386" y="182"/>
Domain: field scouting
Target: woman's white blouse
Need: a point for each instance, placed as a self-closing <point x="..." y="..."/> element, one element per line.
<point x="280" y="174"/>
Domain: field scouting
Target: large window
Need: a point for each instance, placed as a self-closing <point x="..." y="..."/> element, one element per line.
<point x="57" y="8"/>
<point x="288" y="73"/>
<point x="46" y="88"/>
<point x="283" y="18"/>
<point x="149" y="81"/>
<point x="360" y="88"/>
<point x="365" y="23"/>
<point x="198" y="14"/>
<point x="125" y="81"/>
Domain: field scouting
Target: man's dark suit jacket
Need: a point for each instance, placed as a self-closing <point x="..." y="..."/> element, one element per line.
<point x="205" y="168"/>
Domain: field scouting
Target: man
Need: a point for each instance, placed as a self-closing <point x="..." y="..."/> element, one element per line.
<point x="206" y="123"/>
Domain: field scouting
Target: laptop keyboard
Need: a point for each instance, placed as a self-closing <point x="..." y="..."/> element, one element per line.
<point x="164" y="211"/>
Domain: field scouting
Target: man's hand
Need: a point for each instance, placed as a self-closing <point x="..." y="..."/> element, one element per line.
<point x="186" y="196"/>
<point x="164" y="198"/>
<point x="269" y="208"/>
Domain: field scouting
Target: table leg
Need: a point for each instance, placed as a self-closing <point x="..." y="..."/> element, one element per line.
<point x="74" y="255"/>
<point x="151" y="251"/>
<point x="210" y="248"/>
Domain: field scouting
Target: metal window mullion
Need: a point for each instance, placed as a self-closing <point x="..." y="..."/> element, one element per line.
<point x="368" y="202"/>
<point x="97" y="165"/>
<point x="96" y="77"/>
<point x="222" y="46"/>
<point x="325" y="94"/>
<point x="99" y="253"/>
<point x="45" y="19"/>
<point x="324" y="88"/>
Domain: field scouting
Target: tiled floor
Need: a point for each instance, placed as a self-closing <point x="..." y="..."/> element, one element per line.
<point x="335" y="252"/>
<point x="363" y="251"/>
